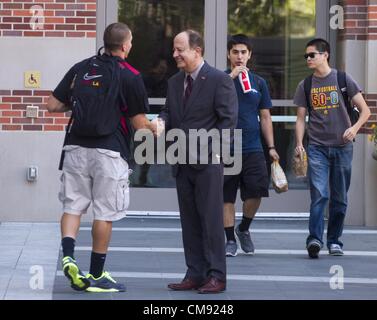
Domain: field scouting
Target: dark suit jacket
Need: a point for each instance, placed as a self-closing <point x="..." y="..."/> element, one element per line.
<point x="213" y="104"/>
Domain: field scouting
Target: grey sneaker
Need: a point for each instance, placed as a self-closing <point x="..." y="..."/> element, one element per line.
<point x="335" y="250"/>
<point x="231" y="248"/>
<point x="245" y="241"/>
<point x="313" y="247"/>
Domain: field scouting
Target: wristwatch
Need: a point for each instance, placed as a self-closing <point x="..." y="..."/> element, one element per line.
<point x="271" y="148"/>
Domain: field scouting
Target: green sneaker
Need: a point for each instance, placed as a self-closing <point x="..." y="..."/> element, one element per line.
<point x="105" y="283"/>
<point x="74" y="274"/>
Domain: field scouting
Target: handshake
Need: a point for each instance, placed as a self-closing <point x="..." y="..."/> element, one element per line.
<point x="158" y="126"/>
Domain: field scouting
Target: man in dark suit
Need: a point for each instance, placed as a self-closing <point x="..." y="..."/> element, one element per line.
<point x="200" y="97"/>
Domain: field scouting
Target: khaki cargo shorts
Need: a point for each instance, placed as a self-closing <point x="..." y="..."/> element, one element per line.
<point x="94" y="176"/>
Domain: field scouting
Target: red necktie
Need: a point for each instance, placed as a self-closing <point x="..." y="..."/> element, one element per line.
<point x="188" y="90"/>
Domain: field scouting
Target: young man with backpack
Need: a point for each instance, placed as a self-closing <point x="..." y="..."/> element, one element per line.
<point x="254" y="100"/>
<point x="106" y="96"/>
<point x="329" y="96"/>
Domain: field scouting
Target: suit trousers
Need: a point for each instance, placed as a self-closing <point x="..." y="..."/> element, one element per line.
<point x="200" y="198"/>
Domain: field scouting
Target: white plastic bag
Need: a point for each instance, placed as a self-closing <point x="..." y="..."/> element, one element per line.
<point x="279" y="180"/>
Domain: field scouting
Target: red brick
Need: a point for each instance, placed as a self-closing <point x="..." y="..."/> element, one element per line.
<point x="43" y="121"/>
<point x="64" y="13"/>
<point x="22" y="120"/>
<point x="11" y="113"/>
<point x="12" y="33"/>
<point x="32" y="127"/>
<point x="75" y="34"/>
<point x="357" y="2"/>
<point x="54" y="20"/>
<point x="12" y="19"/>
<point x="4" y="120"/>
<point x="5" y="13"/>
<point x="12" y="6"/>
<point x="21" y="13"/>
<point x="74" y="20"/>
<point x="22" y="26"/>
<point x="18" y="106"/>
<point x="54" y="115"/>
<point x="58" y="34"/>
<point x="41" y="92"/>
<point x="92" y="7"/>
<point x="75" y="6"/>
<point x="22" y="92"/>
<point x="5" y="92"/>
<point x="11" y="127"/>
<point x="33" y="33"/>
<point x="85" y="13"/>
<point x="85" y="27"/>
<point x="61" y="121"/>
<point x="4" y="106"/>
<point x="54" y="6"/>
<point x="11" y="99"/>
<point x="91" y="34"/>
<point x="5" y="26"/>
<point x="65" y="27"/>
<point x="53" y="128"/>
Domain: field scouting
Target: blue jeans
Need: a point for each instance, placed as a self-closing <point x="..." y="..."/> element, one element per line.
<point x="329" y="178"/>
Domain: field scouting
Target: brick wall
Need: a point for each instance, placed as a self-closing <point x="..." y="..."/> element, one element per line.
<point x="360" y="20"/>
<point x="360" y="24"/>
<point x="13" y="112"/>
<point x="62" y="18"/>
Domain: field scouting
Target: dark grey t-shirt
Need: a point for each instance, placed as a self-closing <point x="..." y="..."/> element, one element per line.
<point x="329" y="118"/>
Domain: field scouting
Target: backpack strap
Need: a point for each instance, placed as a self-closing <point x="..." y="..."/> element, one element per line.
<point x="341" y="75"/>
<point x="67" y="130"/>
<point x="307" y="89"/>
<point x="342" y="83"/>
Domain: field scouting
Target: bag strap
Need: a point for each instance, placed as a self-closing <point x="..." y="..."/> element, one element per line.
<point x="341" y="75"/>
<point x="67" y="130"/>
<point x="307" y="89"/>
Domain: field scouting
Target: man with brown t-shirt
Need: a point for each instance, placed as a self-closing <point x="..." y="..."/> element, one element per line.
<point x="330" y="148"/>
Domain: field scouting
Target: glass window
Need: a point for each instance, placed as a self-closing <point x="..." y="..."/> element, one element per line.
<point x="154" y="23"/>
<point x="279" y="30"/>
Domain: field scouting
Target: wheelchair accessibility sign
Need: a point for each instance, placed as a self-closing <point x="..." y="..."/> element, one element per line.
<point x="32" y="79"/>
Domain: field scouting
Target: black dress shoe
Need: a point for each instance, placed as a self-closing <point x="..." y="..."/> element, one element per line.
<point x="213" y="285"/>
<point x="186" y="284"/>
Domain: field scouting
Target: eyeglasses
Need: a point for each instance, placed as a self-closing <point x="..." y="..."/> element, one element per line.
<point x="311" y="55"/>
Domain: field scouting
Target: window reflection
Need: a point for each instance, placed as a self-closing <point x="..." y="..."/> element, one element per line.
<point x="154" y="23"/>
<point x="279" y="30"/>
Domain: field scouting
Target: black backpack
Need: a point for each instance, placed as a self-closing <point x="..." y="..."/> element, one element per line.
<point x="95" y="97"/>
<point x="353" y="112"/>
